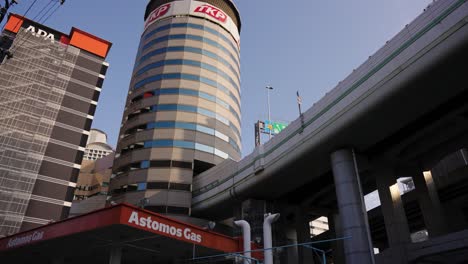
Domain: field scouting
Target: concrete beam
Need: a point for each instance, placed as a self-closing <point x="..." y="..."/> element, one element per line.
<point x="115" y="256"/>
<point x="396" y="223"/>
<point x="335" y="230"/>
<point x="431" y="208"/>
<point x="302" y="227"/>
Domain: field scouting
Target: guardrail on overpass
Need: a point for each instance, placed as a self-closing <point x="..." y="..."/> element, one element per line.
<point x="443" y="22"/>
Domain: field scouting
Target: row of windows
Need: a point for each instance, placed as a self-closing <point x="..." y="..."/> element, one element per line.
<point x="176" y="91"/>
<point x="181" y="125"/>
<point x="196" y="127"/>
<point x="143" y="186"/>
<point x="195" y="38"/>
<point x="190" y="63"/>
<point x="168" y="143"/>
<point x="194" y="109"/>
<point x="194" y="26"/>
<point x="87" y="187"/>
<point x="168" y="209"/>
<point x="146" y="164"/>
<point x="84" y="197"/>
<point x="187" y="49"/>
<point x="189" y="77"/>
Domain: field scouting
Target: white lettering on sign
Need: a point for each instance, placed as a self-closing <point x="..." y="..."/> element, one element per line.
<point x="26" y="239"/>
<point x="157" y="13"/>
<point x="212" y="11"/>
<point x="41" y="33"/>
<point x="149" y="223"/>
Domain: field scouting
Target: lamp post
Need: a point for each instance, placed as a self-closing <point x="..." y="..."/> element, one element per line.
<point x="268" y="101"/>
<point x="4" y="9"/>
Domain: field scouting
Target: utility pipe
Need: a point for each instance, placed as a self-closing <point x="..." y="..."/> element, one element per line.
<point x="247" y="239"/>
<point x="267" y="237"/>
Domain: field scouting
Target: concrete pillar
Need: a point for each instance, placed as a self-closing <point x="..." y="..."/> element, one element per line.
<point x="58" y="260"/>
<point x="291" y="255"/>
<point x="394" y="215"/>
<point x="302" y="227"/>
<point x="453" y="211"/>
<point x="115" y="255"/>
<point x="357" y="249"/>
<point x="428" y="199"/>
<point x="334" y="228"/>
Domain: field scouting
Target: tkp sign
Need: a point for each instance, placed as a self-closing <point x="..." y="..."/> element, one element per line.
<point x="157" y="13"/>
<point x="212" y="11"/>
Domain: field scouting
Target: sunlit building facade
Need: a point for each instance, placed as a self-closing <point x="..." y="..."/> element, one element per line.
<point x="48" y="96"/>
<point x="183" y="113"/>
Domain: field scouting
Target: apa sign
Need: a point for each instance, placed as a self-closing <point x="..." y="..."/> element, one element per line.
<point x="166" y="228"/>
<point x="40" y="33"/>
<point x="212" y="11"/>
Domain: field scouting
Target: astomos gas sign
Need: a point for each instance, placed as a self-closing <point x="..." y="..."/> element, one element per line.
<point x="149" y="223"/>
<point x="25" y="239"/>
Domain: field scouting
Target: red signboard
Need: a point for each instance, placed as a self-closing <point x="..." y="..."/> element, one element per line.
<point x="157" y="13"/>
<point x="212" y="11"/>
<point x="88" y="222"/>
<point x="168" y="227"/>
<point x="124" y="215"/>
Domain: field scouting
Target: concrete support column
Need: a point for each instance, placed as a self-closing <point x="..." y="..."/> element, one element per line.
<point x="115" y="255"/>
<point x="302" y="227"/>
<point x="358" y="249"/>
<point x="334" y="228"/>
<point x="453" y="211"/>
<point x="394" y="215"/>
<point x="428" y="199"/>
<point x="291" y="255"/>
<point x="58" y="260"/>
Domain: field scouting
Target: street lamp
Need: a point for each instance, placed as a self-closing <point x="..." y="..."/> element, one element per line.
<point x="268" y="100"/>
<point x="4" y="9"/>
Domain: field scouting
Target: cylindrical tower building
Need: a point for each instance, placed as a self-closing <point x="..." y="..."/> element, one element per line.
<point x="182" y="114"/>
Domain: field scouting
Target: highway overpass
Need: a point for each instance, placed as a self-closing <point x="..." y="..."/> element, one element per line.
<point x="400" y="112"/>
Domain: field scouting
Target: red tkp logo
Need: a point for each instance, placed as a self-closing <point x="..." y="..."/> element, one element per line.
<point x="157" y="13"/>
<point x="212" y="11"/>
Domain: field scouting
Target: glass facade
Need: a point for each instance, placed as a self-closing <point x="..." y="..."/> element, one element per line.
<point x="32" y="87"/>
<point x="48" y="95"/>
<point x="183" y="109"/>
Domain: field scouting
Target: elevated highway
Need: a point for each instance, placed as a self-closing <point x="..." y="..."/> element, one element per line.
<point x="407" y="105"/>
<point x="398" y="114"/>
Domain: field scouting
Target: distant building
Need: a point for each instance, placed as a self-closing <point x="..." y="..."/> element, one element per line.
<point x="96" y="146"/>
<point x="92" y="185"/>
<point x="48" y="95"/>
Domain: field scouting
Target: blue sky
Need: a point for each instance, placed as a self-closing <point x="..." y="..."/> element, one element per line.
<point x="297" y="45"/>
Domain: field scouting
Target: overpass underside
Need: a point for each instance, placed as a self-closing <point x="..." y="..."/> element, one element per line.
<point x="398" y="115"/>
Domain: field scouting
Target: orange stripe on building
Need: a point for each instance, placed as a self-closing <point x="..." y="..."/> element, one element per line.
<point x="14" y="23"/>
<point x="90" y="43"/>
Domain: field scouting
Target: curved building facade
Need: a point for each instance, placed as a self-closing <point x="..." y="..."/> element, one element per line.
<point x="183" y="113"/>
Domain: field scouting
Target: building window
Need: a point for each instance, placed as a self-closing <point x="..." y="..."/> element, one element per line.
<point x="194" y="26"/>
<point x="189" y="63"/>
<point x="187" y="49"/>
<point x="187" y="126"/>
<point x="195" y="38"/>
